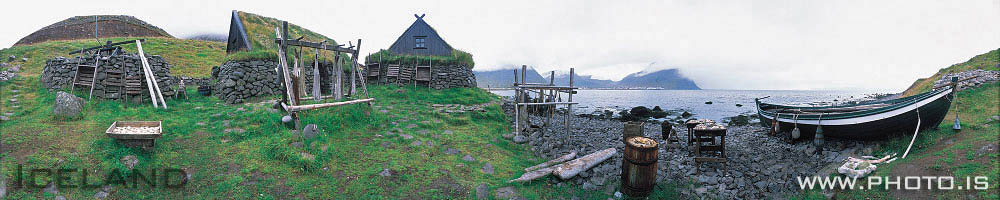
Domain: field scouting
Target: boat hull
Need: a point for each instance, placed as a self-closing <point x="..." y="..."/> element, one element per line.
<point x="895" y="122"/>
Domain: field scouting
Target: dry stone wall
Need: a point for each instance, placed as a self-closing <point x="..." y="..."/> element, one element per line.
<point x="453" y="76"/>
<point x="446" y="76"/>
<point x="241" y="81"/>
<point x="58" y="74"/>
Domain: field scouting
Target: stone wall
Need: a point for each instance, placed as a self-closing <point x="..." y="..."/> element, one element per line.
<point x="452" y="77"/>
<point x="58" y="73"/>
<point x="445" y="76"/>
<point x="240" y="81"/>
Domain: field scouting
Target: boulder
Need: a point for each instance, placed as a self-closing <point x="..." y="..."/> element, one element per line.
<point x="67" y="105"/>
<point x="310" y="131"/>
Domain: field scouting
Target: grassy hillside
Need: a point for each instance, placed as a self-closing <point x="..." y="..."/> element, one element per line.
<point x="986" y="61"/>
<point x="194" y="58"/>
<point x="243" y="151"/>
<point x="261" y="33"/>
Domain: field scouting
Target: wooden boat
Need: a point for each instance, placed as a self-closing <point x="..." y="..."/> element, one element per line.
<point x="870" y="120"/>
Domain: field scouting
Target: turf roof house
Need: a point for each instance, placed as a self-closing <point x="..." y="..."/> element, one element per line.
<point x="421" y="45"/>
<point x="249" y="71"/>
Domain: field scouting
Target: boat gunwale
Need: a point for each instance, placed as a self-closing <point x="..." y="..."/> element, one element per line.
<point x="897" y="104"/>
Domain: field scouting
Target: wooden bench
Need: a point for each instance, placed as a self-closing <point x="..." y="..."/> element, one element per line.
<point x="706" y="147"/>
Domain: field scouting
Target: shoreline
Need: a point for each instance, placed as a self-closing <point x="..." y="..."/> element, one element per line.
<point x="751" y="174"/>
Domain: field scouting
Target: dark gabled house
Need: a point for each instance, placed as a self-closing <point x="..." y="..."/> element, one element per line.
<point x="420" y="39"/>
<point x="238" y="40"/>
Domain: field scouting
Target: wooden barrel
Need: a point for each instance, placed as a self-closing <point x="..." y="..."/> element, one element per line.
<point x="639" y="166"/>
<point x="632" y="129"/>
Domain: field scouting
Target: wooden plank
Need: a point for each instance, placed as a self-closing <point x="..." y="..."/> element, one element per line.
<point x="149" y="83"/>
<point x="149" y="69"/>
<point x="324" y="105"/>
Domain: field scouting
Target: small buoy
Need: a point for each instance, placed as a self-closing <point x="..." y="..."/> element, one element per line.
<point x="777" y="127"/>
<point x="957" y="126"/>
<point x="796" y="133"/>
<point x="818" y="139"/>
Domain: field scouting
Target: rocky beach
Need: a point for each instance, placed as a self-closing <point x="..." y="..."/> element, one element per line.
<point x="759" y="166"/>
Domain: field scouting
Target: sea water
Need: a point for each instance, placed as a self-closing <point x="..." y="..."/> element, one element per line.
<point x="723" y="102"/>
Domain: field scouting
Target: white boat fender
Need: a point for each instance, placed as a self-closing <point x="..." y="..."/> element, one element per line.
<point x="795" y="131"/>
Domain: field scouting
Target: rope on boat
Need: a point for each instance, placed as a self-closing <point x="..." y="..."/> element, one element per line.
<point x="914" y="134"/>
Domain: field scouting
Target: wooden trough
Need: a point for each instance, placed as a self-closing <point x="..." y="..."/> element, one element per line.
<point x="135" y="133"/>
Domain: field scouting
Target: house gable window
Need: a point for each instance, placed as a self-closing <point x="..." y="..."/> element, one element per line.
<point x="419" y="42"/>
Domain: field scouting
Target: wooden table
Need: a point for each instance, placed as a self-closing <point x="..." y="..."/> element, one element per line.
<point x="706" y="149"/>
<point x="691" y="124"/>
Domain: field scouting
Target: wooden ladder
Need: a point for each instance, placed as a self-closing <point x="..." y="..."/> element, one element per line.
<point x="86" y="74"/>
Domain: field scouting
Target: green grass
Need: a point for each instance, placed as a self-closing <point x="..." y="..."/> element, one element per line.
<point x="458" y="57"/>
<point x="193" y="58"/>
<point x="261" y="162"/>
<point x="958" y="159"/>
<point x="986" y="61"/>
<point x="261" y="34"/>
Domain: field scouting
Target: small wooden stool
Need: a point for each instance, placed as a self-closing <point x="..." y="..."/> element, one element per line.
<point x="706" y="149"/>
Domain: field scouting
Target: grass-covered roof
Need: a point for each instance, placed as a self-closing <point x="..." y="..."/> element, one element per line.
<point x="457" y="57"/>
<point x="260" y="32"/>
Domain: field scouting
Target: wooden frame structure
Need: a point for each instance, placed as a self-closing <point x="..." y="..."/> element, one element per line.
<point x="547" y="94"/>
<point x="295" y="82"/>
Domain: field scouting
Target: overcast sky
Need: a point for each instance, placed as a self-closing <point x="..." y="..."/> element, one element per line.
<point x="795" y="44"/>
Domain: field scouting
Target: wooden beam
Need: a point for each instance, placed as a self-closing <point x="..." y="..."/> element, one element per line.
<point x="103" y="47"/>
<point x="547" y="103"/>
<point x="320" y="46"/>
<point x="324" y="105"/>
<point x="283" y="64"/>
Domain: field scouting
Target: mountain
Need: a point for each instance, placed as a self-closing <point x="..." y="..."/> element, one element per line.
<point x="504" y="78"/>
<point x="583" y="81"/>
<point x="670" y="79"/>
<point x="666" y="79"/>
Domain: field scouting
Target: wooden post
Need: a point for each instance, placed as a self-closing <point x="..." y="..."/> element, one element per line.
<point x="380" y="74"/>
<point x="356" y="71"/>
<point x="291" y="98"/>
<point x="569" y="108"/>
<point x="517" y="107"/>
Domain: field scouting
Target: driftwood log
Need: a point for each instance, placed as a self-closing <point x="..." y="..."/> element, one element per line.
<point x="533" y="175"/>
<point x="572" y="168"/>
<point x="558" y="160"/>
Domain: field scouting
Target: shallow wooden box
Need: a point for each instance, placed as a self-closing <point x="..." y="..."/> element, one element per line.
<point x="135" y="139"/>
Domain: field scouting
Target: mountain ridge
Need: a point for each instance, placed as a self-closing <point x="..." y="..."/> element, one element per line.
<point x="659" y="79"/>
